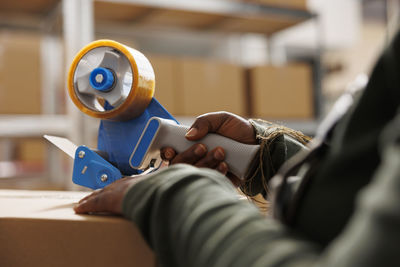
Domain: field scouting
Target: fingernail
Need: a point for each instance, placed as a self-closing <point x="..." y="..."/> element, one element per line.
<point x="200" y="150"/>
<point x="222" y="167"/>
<point x="219" y="154"/>
<point x="192" y="132"/>
<point x="168" y="154"/>
<point x="76" y="207"/>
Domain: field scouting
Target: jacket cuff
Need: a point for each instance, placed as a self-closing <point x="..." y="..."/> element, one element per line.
<point x="277" y="144"/>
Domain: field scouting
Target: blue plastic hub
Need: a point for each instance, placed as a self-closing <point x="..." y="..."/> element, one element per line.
<point x="101" y="79"/>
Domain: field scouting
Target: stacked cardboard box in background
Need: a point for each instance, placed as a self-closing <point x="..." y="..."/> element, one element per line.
<point x="20" y="76"/>
<point x="20" y="83"/>
<point x="191" y="87"/>
<point x="166" y="74"/>
<point x="207" y="86"/>
<point x="282" y="92"/>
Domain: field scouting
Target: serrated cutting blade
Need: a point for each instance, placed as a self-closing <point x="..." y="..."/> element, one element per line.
<point x="63" y="143"/>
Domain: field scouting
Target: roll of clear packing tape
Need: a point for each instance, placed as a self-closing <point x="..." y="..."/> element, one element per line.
<point x="109" y="80"/>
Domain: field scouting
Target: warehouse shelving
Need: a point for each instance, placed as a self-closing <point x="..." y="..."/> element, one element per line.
<point x="32" y="125"/>
<point x="219" y="15"/>
<point x="79" y="20"/>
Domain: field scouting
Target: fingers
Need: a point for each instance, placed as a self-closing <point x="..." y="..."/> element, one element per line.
<point x="95" y="192"/>
<point x="223" y="168"/>
<point x="108" y="199"/>
<point x="167" y="153"/>
<point x="191" y="155"/>
<point x="225" y="124"/>
<point x="212" y="159"/>
<point x="197" y="155"/>
<point x="96" y="202"/>
<point x="207" y="123"/>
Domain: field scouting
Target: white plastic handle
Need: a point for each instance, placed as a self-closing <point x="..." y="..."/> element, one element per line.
<point x="238" y="156"/>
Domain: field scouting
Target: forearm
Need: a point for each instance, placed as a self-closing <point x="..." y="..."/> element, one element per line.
<point x="194" y="217"/>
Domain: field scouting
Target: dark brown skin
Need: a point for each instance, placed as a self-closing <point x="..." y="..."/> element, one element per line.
<point x="223" y="123"/>
<point x="109" y="199"/>
<point x="227" y="124"/>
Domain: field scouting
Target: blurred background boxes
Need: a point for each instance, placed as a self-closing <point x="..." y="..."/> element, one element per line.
<point x="20" y="87"/>
<point x="166" y="72"/>
<point x="282" y="92"/>
<point x="193" y="86"/>
<point x="31" y="150"/>
<point x="206" y="86"/>
<point x="20" y="73"/>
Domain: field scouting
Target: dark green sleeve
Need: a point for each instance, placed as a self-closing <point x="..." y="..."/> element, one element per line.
<point x="193" y="217"/>
<point x="278" y="144"/>
<point x="372" y="237"/>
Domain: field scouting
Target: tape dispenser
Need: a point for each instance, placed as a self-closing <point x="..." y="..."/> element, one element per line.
<point x="115" y="83"/>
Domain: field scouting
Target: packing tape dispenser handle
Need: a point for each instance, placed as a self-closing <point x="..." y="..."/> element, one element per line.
<point x="161" y="133"/>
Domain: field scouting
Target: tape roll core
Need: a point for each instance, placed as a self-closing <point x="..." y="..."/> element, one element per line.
<point x="101" y="79"/>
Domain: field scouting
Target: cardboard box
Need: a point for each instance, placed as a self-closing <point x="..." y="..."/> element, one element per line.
<point x="31" y="149"/>
<point x="165" y="70"/>
<point x="20" y="85"/>
<point x="39" y="228"/>
<point x="282" y="92"/>
<point x="192" y="86"/>
<point x="20" y="76"/>
<point x="206" y="86"/>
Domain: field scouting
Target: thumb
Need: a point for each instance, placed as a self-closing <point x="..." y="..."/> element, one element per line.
<point x="204" y="124"/>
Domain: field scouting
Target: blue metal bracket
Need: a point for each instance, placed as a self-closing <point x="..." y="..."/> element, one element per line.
<point x="118" y="139"/>
<point x="91" y="170"/>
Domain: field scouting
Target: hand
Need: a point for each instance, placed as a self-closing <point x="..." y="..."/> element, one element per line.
<point x="109" y="199"/>
<point x="223" y="123"/>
